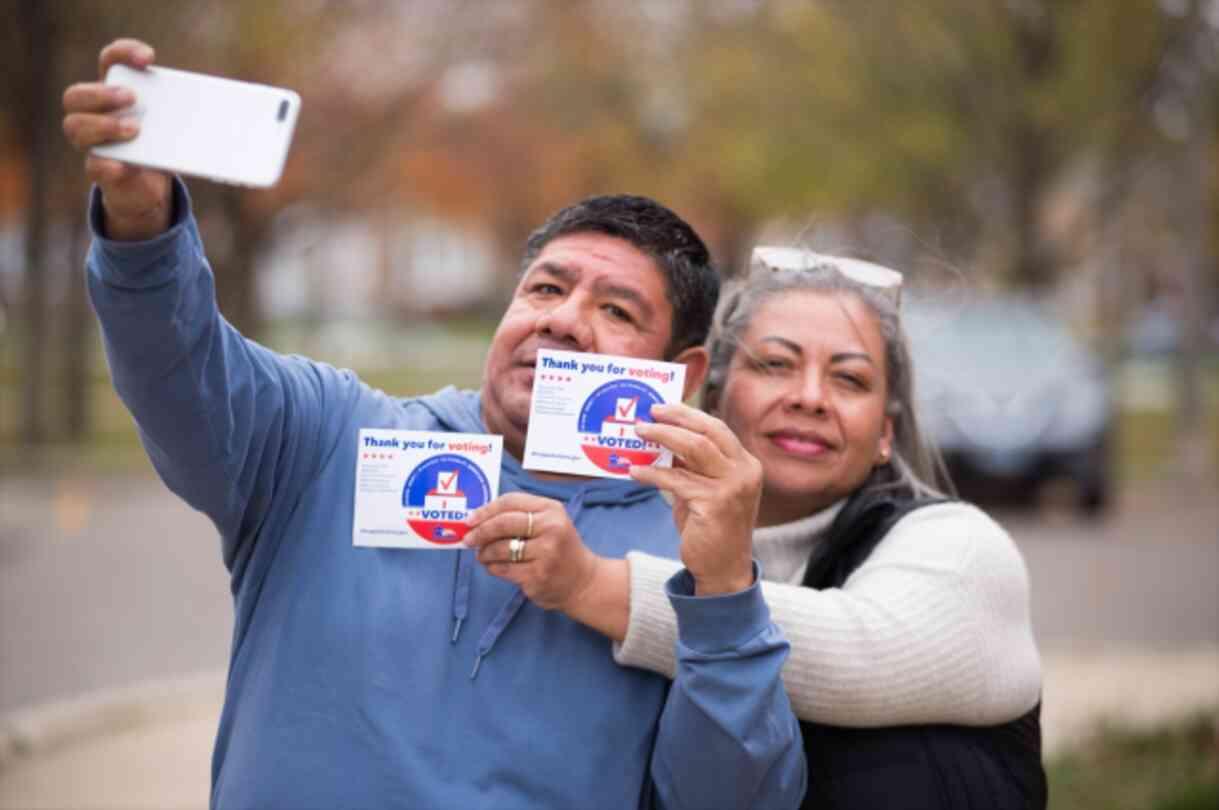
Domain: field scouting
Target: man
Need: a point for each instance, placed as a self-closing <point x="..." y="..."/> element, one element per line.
<point x="377" y="677"/>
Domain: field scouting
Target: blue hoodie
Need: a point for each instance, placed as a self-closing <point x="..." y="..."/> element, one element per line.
<point x="363" y="677"/>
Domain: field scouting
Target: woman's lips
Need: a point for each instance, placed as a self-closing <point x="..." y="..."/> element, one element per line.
<point x="800" y="445"/>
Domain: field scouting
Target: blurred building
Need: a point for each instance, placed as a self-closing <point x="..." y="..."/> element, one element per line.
<point x="373" y="267"/>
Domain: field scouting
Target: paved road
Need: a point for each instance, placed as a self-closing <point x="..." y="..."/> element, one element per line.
<point x="108" y="582"/>
<point x="102" y="583"/>
<point x="1147" y="576"/>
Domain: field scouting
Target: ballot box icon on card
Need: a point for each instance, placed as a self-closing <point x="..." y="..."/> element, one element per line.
<point x="447" y="493"/>
<point x="621" y="422"/>
<point x="440" y="494"/>
<point x="607" y="426"/>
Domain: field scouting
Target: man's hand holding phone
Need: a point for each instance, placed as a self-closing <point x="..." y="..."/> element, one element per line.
<point x="136" y="200"/>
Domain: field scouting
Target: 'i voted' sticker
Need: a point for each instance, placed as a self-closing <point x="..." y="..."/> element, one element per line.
<point x="585" y="407"/>
<point x="416" y="489"/>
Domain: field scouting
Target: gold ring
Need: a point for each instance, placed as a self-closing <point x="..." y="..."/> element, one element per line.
<point x="529" y="526"/>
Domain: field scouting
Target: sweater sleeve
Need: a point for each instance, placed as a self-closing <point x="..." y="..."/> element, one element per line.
<point x="228" y="424"/>
<point x="934" y="627"/>
<point x="728" y="696"/>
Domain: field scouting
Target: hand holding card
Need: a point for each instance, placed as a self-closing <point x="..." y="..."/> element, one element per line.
<point x="585" y="408"/>
<point x="416" y="489"/>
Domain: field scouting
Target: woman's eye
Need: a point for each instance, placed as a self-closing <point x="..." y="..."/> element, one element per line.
<point x="545" y="288"/>
<point x="854" y="381"/>
<point x="775" y="364"/>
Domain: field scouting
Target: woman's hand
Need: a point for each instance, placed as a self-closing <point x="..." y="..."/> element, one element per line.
<point x="136" y="201"/>
<point x="716" y="486"/>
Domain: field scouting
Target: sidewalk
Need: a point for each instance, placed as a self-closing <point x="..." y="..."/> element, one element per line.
<point x="149" y="746"/>
<point x="145" y="746"/>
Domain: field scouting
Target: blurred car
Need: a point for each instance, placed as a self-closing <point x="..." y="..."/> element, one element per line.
<point x="1012" y="399"/>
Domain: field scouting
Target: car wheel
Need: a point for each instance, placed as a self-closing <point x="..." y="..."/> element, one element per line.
<point x="1095" y="497"/>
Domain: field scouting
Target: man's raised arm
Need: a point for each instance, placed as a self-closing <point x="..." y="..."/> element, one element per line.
<point x="226" y="422"/>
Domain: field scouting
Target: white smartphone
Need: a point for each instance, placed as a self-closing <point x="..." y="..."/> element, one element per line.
<point x="205" y="126"/>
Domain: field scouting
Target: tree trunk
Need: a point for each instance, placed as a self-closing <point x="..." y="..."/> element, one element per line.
<point x="1033" y="265"/>
<point x="236" y="290"/>
<point x="1195" y="451"/>
<point x="1035" y="37"/>
<point x="35" y="117"/>
<point x="732" y="251"/>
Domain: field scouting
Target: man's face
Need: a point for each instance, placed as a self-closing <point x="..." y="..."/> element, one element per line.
<point x="585" y="292"/>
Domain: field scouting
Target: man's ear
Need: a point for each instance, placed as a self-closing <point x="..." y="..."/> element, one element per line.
<point x="696" y="361"/>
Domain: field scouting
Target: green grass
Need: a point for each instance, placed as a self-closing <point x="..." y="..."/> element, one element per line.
<point x="1173" y="768"/>
<point x="113" y="446"/>
<point x="1147" y="442"/>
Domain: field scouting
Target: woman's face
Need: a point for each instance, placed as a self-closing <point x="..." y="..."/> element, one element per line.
<point x="805" y="393"/>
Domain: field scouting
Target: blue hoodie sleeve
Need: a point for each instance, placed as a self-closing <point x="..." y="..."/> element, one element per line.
<point x="228" y="424"/>
<point x="728" y="736"/>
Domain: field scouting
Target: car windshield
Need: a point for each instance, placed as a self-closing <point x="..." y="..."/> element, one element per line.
<point x="990" y="343"/>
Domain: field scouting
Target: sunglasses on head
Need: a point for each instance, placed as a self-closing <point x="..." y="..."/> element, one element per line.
<point x="775" y="258"/>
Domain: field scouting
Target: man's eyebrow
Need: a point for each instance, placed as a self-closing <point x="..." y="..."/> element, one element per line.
<point x="637" y="298"/>
<point x="558" y="271"/>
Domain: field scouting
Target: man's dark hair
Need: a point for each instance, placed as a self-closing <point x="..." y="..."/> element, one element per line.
<point x="692" y="283"/>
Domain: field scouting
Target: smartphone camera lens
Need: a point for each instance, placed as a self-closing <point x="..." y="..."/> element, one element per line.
<point x="283" y="110"/>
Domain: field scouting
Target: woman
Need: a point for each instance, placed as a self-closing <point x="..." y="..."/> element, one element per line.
<point x="913" y="666"/>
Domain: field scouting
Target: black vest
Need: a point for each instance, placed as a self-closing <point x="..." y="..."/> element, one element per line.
<point x="928" y="767"/>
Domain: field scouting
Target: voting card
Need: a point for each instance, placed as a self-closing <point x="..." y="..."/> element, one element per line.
<point x="585" y="407"/>
<point x="416" y="489"/>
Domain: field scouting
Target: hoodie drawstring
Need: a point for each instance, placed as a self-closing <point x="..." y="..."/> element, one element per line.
<point x="461" y="589"/>
<point x="494" y="630"/>
<point x="513" y="606"/>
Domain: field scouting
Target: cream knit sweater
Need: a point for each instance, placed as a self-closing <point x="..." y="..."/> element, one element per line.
<point x="934" y="627"/>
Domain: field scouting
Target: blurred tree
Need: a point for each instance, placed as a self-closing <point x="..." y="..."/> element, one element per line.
<point x="960" y="117"/>
<point x="32" y="48"/>
<point x="75" y="59"/>
<point x="1189" y="80"/>
<point x="556" y="120"/>
<point x="964" y="121"/>
<point x="57" y="42"/>
<point x="258" y="42"/>
<point x="589" y="99"/>
<point x="51" y="47"/>
<point x="368" y="81"/>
